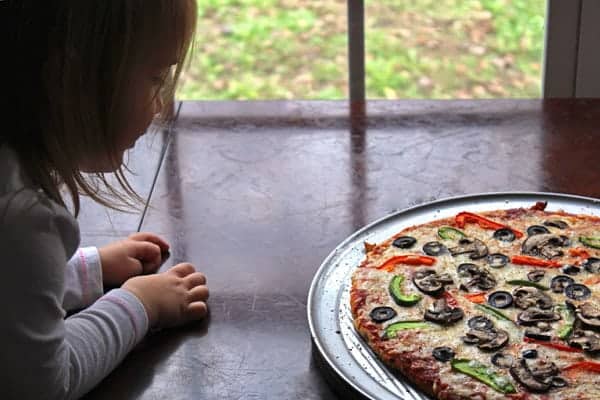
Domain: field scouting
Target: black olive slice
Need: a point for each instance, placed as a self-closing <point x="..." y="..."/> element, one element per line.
<point x="592" y="265"/>
<point x="571" y="269"/>
<point x="500" y="299"/>
<point x="537" y="335"/>
<point x="556" y="223"/>
<point x="497" y="260"/>
<point x="503" y="360"/>
<point x="404" y="242"/>
<point x="530" y="353"/>
<point x="560" y="282"/>
<point x="537" y="230"/>
<point x="382" y="314"/>
<point x="577" y="291"/>
<point x="480" y="323"/>
<point x="443" y="353"/>
<point x="434" y="248"/>
<point x="504" y="234"/>
<point x="536" y="275"/>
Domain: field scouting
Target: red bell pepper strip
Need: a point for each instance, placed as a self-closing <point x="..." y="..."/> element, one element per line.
<point x="450" y="300"/>
<point x="536" y="262"/>
<point x="467" y="217"/>
<point x="590" y="366"/>
<point x="553" y="345"/>
<point x="579" y="252"/>
<point x="478" y="298"/>
<point x="594" y="280"/>
<point x="408" y="259"/>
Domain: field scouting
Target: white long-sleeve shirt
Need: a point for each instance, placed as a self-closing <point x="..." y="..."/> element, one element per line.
<point x="42" y="275"/>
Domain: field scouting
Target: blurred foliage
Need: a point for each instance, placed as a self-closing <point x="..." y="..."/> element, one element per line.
<point x="297" y="49"/>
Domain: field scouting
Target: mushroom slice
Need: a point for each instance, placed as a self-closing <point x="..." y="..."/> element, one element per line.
<point x="474" y="247"/>
<point x="486" y="339"/>
<point x="545" y="245"/>
<point x="481" y="277"/>
<point x="499" y="340"/>
<point x="503" y="360"/>
<point x="586" y="340"/>
<point x="536" y="275"/>
<point x="526" y="297"/>
<point x="589" y="314"/>
<point x="533" y="315"/>
<point x="541" y="369"/>
<point x="525" y="378"/>
<point x="430" y="282"/>
<point x="442" y="314"/>
<point x="468" y="269"/>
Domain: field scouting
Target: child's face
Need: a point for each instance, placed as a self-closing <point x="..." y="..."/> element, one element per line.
<point x="142" y="104"/>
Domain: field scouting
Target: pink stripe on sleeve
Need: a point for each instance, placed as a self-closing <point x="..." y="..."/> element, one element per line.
<point x="121" y="303"/>
<point x="84" y="283"/>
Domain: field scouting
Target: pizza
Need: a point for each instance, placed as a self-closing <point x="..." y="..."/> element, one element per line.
<point x="502" y="304"/>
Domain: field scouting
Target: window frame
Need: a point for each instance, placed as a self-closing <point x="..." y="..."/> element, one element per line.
<point x="570" y="63"/>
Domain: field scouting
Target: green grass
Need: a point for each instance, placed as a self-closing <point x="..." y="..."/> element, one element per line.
<point x="297" y="49"/>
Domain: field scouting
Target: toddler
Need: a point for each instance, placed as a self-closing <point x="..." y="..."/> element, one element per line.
<point x="80" y="82"/>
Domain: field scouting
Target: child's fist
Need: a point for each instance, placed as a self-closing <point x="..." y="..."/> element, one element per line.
<point x="141" y="253"/>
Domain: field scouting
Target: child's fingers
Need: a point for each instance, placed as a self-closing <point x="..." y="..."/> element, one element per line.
<point x="182" y="270"/>
<point x="195" y="279"/>
<point x="148" y="253"/>
<point x="152" y="238"/>
<point x="197" y="310"/>
<point x="199" y="293"/>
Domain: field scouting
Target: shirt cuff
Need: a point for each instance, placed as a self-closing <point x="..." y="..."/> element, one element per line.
<point x="93" y="288"/>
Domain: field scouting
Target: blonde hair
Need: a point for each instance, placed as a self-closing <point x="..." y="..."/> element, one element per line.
<point x="65" y="93"/>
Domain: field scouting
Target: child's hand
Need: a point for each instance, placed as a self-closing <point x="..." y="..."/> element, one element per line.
<point x="139" y="254"/>
<point x="173" y="297"/>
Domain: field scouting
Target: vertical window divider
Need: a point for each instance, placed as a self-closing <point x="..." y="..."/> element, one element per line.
<point x="356" y="54"/>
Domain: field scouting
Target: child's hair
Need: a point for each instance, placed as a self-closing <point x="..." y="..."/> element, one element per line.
<point x="64" y="68"/>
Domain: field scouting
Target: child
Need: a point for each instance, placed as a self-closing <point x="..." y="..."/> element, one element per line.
<point x="80" y="82"/>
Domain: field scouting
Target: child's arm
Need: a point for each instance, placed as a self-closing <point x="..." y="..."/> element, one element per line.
<point x="43" y="355"/>
<point x="83" y="279"/>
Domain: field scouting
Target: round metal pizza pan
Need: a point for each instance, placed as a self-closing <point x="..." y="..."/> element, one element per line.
<point x="339" y="345"/>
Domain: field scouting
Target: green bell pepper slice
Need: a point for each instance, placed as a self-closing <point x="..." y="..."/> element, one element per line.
<point x="492" y="311"/>
<point x="448" y="232"/>
<point x="399" y="297"/>
<point x="392" y="330"/>
<point x="590" y="241"/>
<point x="484" y="374"/>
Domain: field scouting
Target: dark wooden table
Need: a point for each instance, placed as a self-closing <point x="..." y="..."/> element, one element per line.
<point x="257" y="194"/>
